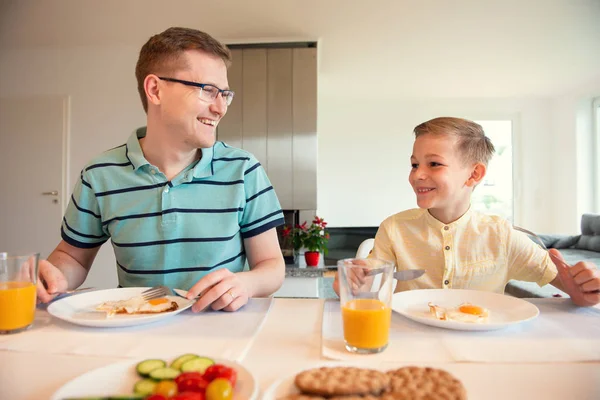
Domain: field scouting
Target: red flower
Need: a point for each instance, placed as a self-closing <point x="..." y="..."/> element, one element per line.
<point x="286" y="231"/>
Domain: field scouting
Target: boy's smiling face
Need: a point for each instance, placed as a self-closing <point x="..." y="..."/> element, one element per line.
<point x="442" y="180"/>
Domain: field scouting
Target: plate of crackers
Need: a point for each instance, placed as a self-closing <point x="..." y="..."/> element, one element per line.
<point x="360" y="383"/>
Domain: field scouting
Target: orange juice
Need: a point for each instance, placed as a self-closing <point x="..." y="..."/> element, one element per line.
<point x="366" y="323"/>
<point x="17" y="305"/>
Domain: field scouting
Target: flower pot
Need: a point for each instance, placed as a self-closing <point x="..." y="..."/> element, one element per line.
<point x="312" y="258"/>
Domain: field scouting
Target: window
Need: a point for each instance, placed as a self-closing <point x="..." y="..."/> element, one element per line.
<point x="495" y="194"/>
<point x="596" y="177"/>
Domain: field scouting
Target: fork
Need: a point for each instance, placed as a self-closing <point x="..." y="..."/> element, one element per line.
<point x="157" y="292"/>
<point x="161" y="291"/>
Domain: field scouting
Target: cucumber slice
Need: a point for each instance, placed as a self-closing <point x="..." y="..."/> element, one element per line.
<point x="181" y="359"/>
<point x="144" y="387"/>
<point x="160" y="374"/>
<point x="198" y="364"/>
<point x="145" y="367"/>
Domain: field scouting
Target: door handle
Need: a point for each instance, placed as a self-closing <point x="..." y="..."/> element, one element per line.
<point x="52" y="193"/>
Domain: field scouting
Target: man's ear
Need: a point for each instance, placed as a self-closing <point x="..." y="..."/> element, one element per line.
<point x="152" y="90"/>
<point x="477" y="175"/>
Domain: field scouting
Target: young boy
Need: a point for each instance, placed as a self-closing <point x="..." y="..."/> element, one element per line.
<point x="458" y="247"/>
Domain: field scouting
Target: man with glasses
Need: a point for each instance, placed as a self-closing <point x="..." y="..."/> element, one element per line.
<point x="180" y="208"/>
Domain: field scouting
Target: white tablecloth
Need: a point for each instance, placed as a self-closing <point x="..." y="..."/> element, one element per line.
<point x="220" y="334"/>
<point x="290" y="340"/>
<point x="561" y="333"/>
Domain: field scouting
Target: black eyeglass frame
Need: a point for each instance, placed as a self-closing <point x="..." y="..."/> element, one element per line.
<point x="224" y="92"/>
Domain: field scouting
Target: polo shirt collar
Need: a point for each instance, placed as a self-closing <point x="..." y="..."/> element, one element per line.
<point x="134" y="150"/>
<point x="202" y="169"/>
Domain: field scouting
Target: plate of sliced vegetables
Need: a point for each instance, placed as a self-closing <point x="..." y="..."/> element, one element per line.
<point x="186" y="377"/>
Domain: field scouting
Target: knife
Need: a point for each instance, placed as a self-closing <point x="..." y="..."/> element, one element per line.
<point x="406" y="275"/>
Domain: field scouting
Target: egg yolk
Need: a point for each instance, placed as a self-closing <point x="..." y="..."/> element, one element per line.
<point x="156" y="302"/>
<point x="471" y="309"/>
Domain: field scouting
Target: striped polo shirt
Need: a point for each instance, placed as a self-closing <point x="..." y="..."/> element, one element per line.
<point x="171" y="232"/>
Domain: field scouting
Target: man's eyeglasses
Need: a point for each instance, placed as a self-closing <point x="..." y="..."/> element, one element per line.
<point x="207" y="92"/>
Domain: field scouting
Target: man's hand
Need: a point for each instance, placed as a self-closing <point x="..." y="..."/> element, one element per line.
<point x="581" y="281"/>
<point x="221" y="289"/>
<point x="55" y="281"/>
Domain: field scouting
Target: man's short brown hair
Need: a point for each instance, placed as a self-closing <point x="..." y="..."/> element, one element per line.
<point x="472" y="143"/>
<point x="162" y="53"/>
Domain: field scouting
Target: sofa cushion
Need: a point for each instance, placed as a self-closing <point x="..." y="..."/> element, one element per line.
<point x="559" y="241"/>
<point x="590" y="233"/>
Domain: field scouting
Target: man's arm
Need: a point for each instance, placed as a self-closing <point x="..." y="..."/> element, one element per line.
<point x="66" y="268"/>
<point x="267" y="267"/>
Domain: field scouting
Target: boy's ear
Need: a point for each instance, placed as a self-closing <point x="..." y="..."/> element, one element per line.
<point x="477" y="175"/>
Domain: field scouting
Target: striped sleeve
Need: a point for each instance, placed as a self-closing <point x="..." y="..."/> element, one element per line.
<point x="262" y="211"/>
<point x="82" y="223"/>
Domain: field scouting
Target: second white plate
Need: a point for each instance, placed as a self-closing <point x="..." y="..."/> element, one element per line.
<point x="504" y="310"/>
<point x="80" y="309"/>
<point x="119" y="379"/>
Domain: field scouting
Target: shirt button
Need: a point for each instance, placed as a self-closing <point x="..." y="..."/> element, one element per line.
<point x="152" y="171"/>
<point x="167" y="190"/>
<point x="446" y="228"/>
<point x="447" y="247"/>
<point x="446" y="282"/>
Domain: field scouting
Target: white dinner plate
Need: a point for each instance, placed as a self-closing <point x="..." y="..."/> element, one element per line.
<point x="504" y="310"/>
<point x="285" y="386"/>
<point x="80" y="309"/>
<point x="119" y="378"/>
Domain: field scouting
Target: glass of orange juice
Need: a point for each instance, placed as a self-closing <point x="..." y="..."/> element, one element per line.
<point x="366" y="299"/>
<point x="18" y="280"/>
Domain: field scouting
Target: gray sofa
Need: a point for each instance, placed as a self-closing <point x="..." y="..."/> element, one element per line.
<point x="584" y="247"/>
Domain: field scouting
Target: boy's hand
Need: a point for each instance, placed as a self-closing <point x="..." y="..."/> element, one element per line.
<point x="581" y="281"/>
<point x="358" y="278"/>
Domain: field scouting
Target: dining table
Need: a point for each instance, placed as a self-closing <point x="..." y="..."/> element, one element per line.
<point x="553" y="356"/>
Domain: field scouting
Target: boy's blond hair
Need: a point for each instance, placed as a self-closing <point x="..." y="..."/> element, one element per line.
<point x="163" y="53"/>
<point x="472" y="143"/>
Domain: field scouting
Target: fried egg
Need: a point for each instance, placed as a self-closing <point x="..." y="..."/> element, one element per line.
<point x="137" y="305"/>
<point x="466" y="312"/>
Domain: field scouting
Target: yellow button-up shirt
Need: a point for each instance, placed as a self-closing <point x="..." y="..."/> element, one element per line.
<point x="477" y="251"/>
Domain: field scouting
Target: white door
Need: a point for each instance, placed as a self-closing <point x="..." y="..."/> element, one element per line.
<point x="31" y="172"/>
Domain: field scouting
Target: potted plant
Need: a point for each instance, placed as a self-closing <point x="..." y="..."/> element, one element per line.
<point x="312" y="238"/>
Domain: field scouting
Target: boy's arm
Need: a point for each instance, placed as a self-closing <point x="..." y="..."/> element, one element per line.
<point x="580" y="281"/>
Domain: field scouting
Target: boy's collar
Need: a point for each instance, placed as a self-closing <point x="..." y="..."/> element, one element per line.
<point x="435" y="223"/>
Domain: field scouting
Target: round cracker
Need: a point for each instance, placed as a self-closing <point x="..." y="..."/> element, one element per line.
<point x="342" y="381"/>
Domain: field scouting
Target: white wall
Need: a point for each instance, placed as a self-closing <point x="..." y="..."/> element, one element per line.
<point x="384" y="67"/>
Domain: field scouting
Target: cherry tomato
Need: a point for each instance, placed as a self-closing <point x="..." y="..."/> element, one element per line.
<point x="183" y="376"/>
<point x="192" y="384"/>
<point x="156" y="397"/>
<point x="189" y="396"/>
<point x="166" y="388"/>
<point x="219" y="389"/>
<point x="221" y="371"/>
